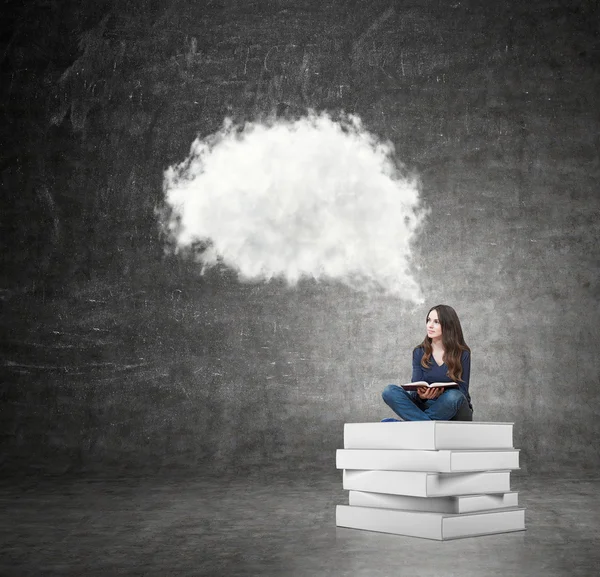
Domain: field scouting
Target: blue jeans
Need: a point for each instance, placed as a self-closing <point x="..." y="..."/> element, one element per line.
<point x="451" y="405"/>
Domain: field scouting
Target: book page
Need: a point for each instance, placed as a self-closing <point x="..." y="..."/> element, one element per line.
<point x="416" y="385"/>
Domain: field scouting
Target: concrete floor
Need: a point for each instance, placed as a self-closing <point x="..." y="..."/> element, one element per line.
<point x="269" y="524"/>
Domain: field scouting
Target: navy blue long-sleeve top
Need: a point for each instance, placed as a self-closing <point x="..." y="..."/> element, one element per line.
<point x="438" y="373"/>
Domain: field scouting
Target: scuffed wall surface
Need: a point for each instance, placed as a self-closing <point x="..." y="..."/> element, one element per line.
<point x="116" y="356"/>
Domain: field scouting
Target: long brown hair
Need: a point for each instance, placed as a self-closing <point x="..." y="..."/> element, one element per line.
<point x="452" y="340"/>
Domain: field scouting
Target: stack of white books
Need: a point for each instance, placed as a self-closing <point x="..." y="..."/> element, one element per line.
<point x="432" y="479"/>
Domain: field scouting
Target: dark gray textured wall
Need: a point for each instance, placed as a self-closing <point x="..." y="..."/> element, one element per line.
<point x="495" y="107"/>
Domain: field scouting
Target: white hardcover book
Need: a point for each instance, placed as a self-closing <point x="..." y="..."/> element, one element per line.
<point x="439" y="526"/>
<point x="444" y="461"/>
<point x="429" y="435"/>
<point x="421" y="484"/>
<point x="457" y="504"/>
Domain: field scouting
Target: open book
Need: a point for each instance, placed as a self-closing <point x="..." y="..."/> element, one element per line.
<point x="415" y="386"/>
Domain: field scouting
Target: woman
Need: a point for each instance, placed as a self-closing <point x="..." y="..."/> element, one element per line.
<point x="442" y="357"/>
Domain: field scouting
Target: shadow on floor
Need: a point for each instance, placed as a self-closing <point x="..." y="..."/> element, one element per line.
<point x="267" y="524"/>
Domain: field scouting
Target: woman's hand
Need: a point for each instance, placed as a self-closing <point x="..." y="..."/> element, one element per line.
<point x="426" y="393"/>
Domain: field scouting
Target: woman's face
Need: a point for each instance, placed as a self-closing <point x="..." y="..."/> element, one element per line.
<point x="434" y="327"/>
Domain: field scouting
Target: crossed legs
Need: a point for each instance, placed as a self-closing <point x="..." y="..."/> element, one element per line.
<point x="451" y="405"/>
